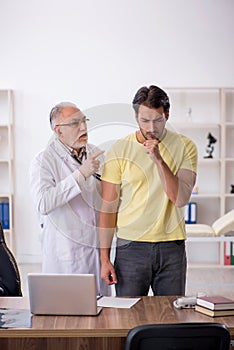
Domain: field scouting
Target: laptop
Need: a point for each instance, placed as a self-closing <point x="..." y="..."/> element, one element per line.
<point x="63" y="294"/>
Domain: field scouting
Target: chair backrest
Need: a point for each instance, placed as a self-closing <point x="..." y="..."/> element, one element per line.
<point x="10" y="284"/>
<point x="179" y="336"/>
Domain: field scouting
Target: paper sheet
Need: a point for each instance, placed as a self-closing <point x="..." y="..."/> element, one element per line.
<point x="122" y="303"/>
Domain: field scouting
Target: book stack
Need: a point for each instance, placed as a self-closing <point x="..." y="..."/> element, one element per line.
<point x="215" y="306"/>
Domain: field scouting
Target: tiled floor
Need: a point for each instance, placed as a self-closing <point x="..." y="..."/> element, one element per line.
<point x="208" y="280"/>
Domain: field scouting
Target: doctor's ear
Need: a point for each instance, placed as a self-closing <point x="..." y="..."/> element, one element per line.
<point x="57" y="130"/>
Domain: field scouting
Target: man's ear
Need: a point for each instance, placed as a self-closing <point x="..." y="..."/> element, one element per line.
<point x="167" y="115"/>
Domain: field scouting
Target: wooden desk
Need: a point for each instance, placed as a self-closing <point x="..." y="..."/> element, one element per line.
<point x="104" y="332"/>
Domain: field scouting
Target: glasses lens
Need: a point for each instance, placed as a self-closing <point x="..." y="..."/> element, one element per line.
<point x="78" y="123"/>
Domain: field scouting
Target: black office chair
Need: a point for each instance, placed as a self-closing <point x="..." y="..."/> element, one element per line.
<point x="179" y="336"/>
<point x="10" y="284"/>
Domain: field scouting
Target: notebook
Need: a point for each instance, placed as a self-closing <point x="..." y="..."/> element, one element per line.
<point x="63" y="294"/>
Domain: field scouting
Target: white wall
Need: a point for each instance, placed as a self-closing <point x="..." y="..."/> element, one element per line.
<point x="97" y="52"/>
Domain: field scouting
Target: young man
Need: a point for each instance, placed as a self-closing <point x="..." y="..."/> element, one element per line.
<point x="147" y="178"/>
<point x="66" y="191"/>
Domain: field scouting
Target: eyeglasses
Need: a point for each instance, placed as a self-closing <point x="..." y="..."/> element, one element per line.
<point x="75" y="124"/>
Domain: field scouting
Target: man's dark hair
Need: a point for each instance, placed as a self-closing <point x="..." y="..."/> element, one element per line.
<point x="152" y="97"/>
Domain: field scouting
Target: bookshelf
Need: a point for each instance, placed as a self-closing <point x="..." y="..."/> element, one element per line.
<point x="196" y="112"/>
<point x="6" y="164"/>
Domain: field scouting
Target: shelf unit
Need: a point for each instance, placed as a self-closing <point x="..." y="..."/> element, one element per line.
<point x="196" y="112"/>
<point x="207" y="251"/>
<point x="6" y="163"/>
<point x="228" y="149"/>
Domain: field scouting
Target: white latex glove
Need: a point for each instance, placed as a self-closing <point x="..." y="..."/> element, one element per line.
<point x="91" y="165"/>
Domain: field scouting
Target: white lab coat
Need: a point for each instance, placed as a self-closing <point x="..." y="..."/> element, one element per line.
<point x="68" y="213"/>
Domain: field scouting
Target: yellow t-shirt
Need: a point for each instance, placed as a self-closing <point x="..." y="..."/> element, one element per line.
<point x="145" y="212"/>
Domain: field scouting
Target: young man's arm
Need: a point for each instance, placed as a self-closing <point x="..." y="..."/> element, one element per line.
<point x="177" y="187"/>
<point x="108" y="218"/>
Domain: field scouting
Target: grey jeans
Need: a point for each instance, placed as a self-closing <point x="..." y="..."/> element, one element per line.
<point x="139" y="265"/>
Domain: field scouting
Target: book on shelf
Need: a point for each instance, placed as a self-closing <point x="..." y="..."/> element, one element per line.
<point x="227" y="253"/>
<point x="214" y="313"/>
<point x="4" y="215"/>
<point x="232" y="253"/>
<point x="216" y="302"/>
<point x="190" y="213"/>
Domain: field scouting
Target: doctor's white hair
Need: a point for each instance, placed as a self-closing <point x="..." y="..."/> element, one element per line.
<point x="57" y="110"/>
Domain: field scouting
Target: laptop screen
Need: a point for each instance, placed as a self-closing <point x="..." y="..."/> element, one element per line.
<point x="62" y="294"/>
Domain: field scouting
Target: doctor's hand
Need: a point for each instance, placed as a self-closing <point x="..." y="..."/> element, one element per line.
<point x="91" y="165"/>
<point x="108" y="273"/>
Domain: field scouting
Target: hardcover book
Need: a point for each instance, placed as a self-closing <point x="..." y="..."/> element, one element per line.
<point x="214" y="313"/>
<point x="227" y="253"/>
<point x="216" y="302"/>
